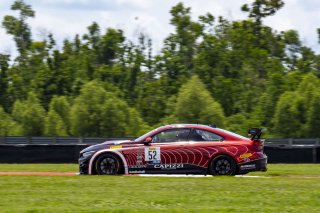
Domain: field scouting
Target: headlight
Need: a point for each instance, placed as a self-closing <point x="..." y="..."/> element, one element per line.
<point x="88" y="154"/>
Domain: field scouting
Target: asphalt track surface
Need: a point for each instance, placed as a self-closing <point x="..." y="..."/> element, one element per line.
<point x="142" y="175"/>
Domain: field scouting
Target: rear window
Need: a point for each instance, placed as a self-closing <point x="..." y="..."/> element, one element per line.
<point x="231" y="133"/>
<point x="202" y="135"/>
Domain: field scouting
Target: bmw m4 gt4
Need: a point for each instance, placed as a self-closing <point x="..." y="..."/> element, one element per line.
<point x="178" y="149"/>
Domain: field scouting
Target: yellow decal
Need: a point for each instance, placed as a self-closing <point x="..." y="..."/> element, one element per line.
<point x="116" y="147"/>
<point x="153" y="148"/>
<point x="246" y="155"/>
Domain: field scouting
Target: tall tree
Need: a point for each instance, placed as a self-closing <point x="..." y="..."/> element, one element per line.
<point x="30" y="115"/>
<point x="54" y="125"/>
<point x="87" y="107"/>
<point x="313" y="117"/>
<point x="195" y="105"/>
<point x="17" y="27"/>
<point x="111" y="46"/>
<point x="93" y="37"/>
<point x="260" y="9"/>
<point x="8" y="127"/>
<point x="241" y="122"/>
<point x="57" y="120"/>
<point x="289" y="115"/>
<point x="176" y="60"/>
<point x="4" y="81"/>
<point x="104" y="114"/>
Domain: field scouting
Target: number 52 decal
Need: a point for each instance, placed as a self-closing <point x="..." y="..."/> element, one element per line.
<point x="152" y="154"/>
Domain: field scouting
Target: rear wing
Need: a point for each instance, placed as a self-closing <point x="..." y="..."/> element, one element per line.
<point x="255" y="133"/>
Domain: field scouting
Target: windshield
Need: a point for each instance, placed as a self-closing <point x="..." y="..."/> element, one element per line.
<point x="232" y="133"/>
<point x="141" y="137"/>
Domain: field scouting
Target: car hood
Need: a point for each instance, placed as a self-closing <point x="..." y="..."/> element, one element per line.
<point x="105" y="145"/>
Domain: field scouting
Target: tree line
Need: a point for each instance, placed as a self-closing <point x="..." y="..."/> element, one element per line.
<point x="235" y="74"/>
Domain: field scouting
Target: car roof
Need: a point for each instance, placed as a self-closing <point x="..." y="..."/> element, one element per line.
<point x="221" y="132"/>
<point x="201" y="126"/>
<point x="187" y="125"/>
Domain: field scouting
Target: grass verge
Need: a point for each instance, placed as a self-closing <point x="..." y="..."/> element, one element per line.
<point x="160" y="194"/>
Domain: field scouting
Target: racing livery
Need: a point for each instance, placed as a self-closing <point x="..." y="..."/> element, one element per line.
<point x="178" y="149"/>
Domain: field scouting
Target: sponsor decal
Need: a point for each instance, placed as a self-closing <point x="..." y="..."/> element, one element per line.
<point x="246" y="159"/>
<point x="248" y="166"/>
<point x="137" y="166"/>
<point x="246" y="155"/>
<point x="154" y="162"/>
<point x="168" y="166"/>
<point x="137" y="172"/>
<point x="116" y="147"/>
<point x="152" y="154"/>
<point x="120" y="142"/>
<point x="139" y="156"/>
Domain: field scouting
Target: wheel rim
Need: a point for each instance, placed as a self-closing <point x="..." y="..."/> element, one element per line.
<point x="108" y="166"/>
<point x="223" y="167"/>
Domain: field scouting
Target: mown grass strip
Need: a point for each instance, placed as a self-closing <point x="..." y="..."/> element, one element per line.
<point x="273" y="169"/>
<point x="159" y="194"/>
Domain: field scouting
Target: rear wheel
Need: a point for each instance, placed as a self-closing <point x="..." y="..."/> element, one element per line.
<point x="108" y="164"/>
<point x="222" y="165"/>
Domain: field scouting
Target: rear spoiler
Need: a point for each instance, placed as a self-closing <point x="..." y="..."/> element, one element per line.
<point x="255" y="133"/>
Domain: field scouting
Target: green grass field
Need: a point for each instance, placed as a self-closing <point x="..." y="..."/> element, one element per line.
<point x="284" y="188"/>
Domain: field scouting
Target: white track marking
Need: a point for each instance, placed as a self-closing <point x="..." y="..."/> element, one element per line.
<point x="251" y="176"/>
<point x="195" y="176"/>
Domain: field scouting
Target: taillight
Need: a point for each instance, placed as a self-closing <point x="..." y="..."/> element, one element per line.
<point x="258" y="144"/>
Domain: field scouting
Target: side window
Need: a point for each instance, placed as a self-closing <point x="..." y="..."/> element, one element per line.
<point x="171" y="135"/>
<point x="202" y="135"/>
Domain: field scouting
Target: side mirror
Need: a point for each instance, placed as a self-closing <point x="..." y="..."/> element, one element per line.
<point x="147" y="141"/>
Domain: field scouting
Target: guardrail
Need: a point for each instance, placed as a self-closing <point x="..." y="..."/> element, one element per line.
<point x="54" y="140"/>
<point x="287" y="142"/>
<point x="293" y="142"/>
<point x="66" y="149"/>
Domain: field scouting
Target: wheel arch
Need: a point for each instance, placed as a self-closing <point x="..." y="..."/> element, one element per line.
<point x="221" y="155"/>
<point x="107" y="151"/>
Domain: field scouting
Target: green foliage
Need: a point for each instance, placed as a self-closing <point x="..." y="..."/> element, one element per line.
<point x="152" y="101"/>
<point x="17" y="27"/>
<point x="115" y="112"/>
<point x="97" y="112"/>
<point x="54" y="125"/>
<point x="102" y="84"/>
<point x="110" y="45"/>
<point x="8" y="127"/>
<point x="289" y="116"/>
<point x="4" y="83"/>
<point x="86" y="112"/>
<point x="135" y="124"/>
<point x="30" y="115"/>
<point x="57" y="120"/>
<point x="296" y="111"/>
<point x="263" y="8"/>
<point x="196" y="105"/>
<point x="242" y="122"/>
<point x="61" y="106"/>
<point x="313" y="117"/>
<point x="260" y="9"/>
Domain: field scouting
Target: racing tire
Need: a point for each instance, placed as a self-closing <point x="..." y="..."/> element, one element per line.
<point x="223" y="165"/>
<point x="108" y="164"/>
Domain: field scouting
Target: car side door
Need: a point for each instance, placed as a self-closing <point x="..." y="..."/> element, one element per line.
<point x="164" y="154"/>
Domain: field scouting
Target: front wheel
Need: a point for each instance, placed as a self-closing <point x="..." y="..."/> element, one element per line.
<point x="108" y="164"/>
<point x="222" y="165"/>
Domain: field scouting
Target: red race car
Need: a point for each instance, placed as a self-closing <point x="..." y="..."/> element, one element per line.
<point x="178" y="149"/>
